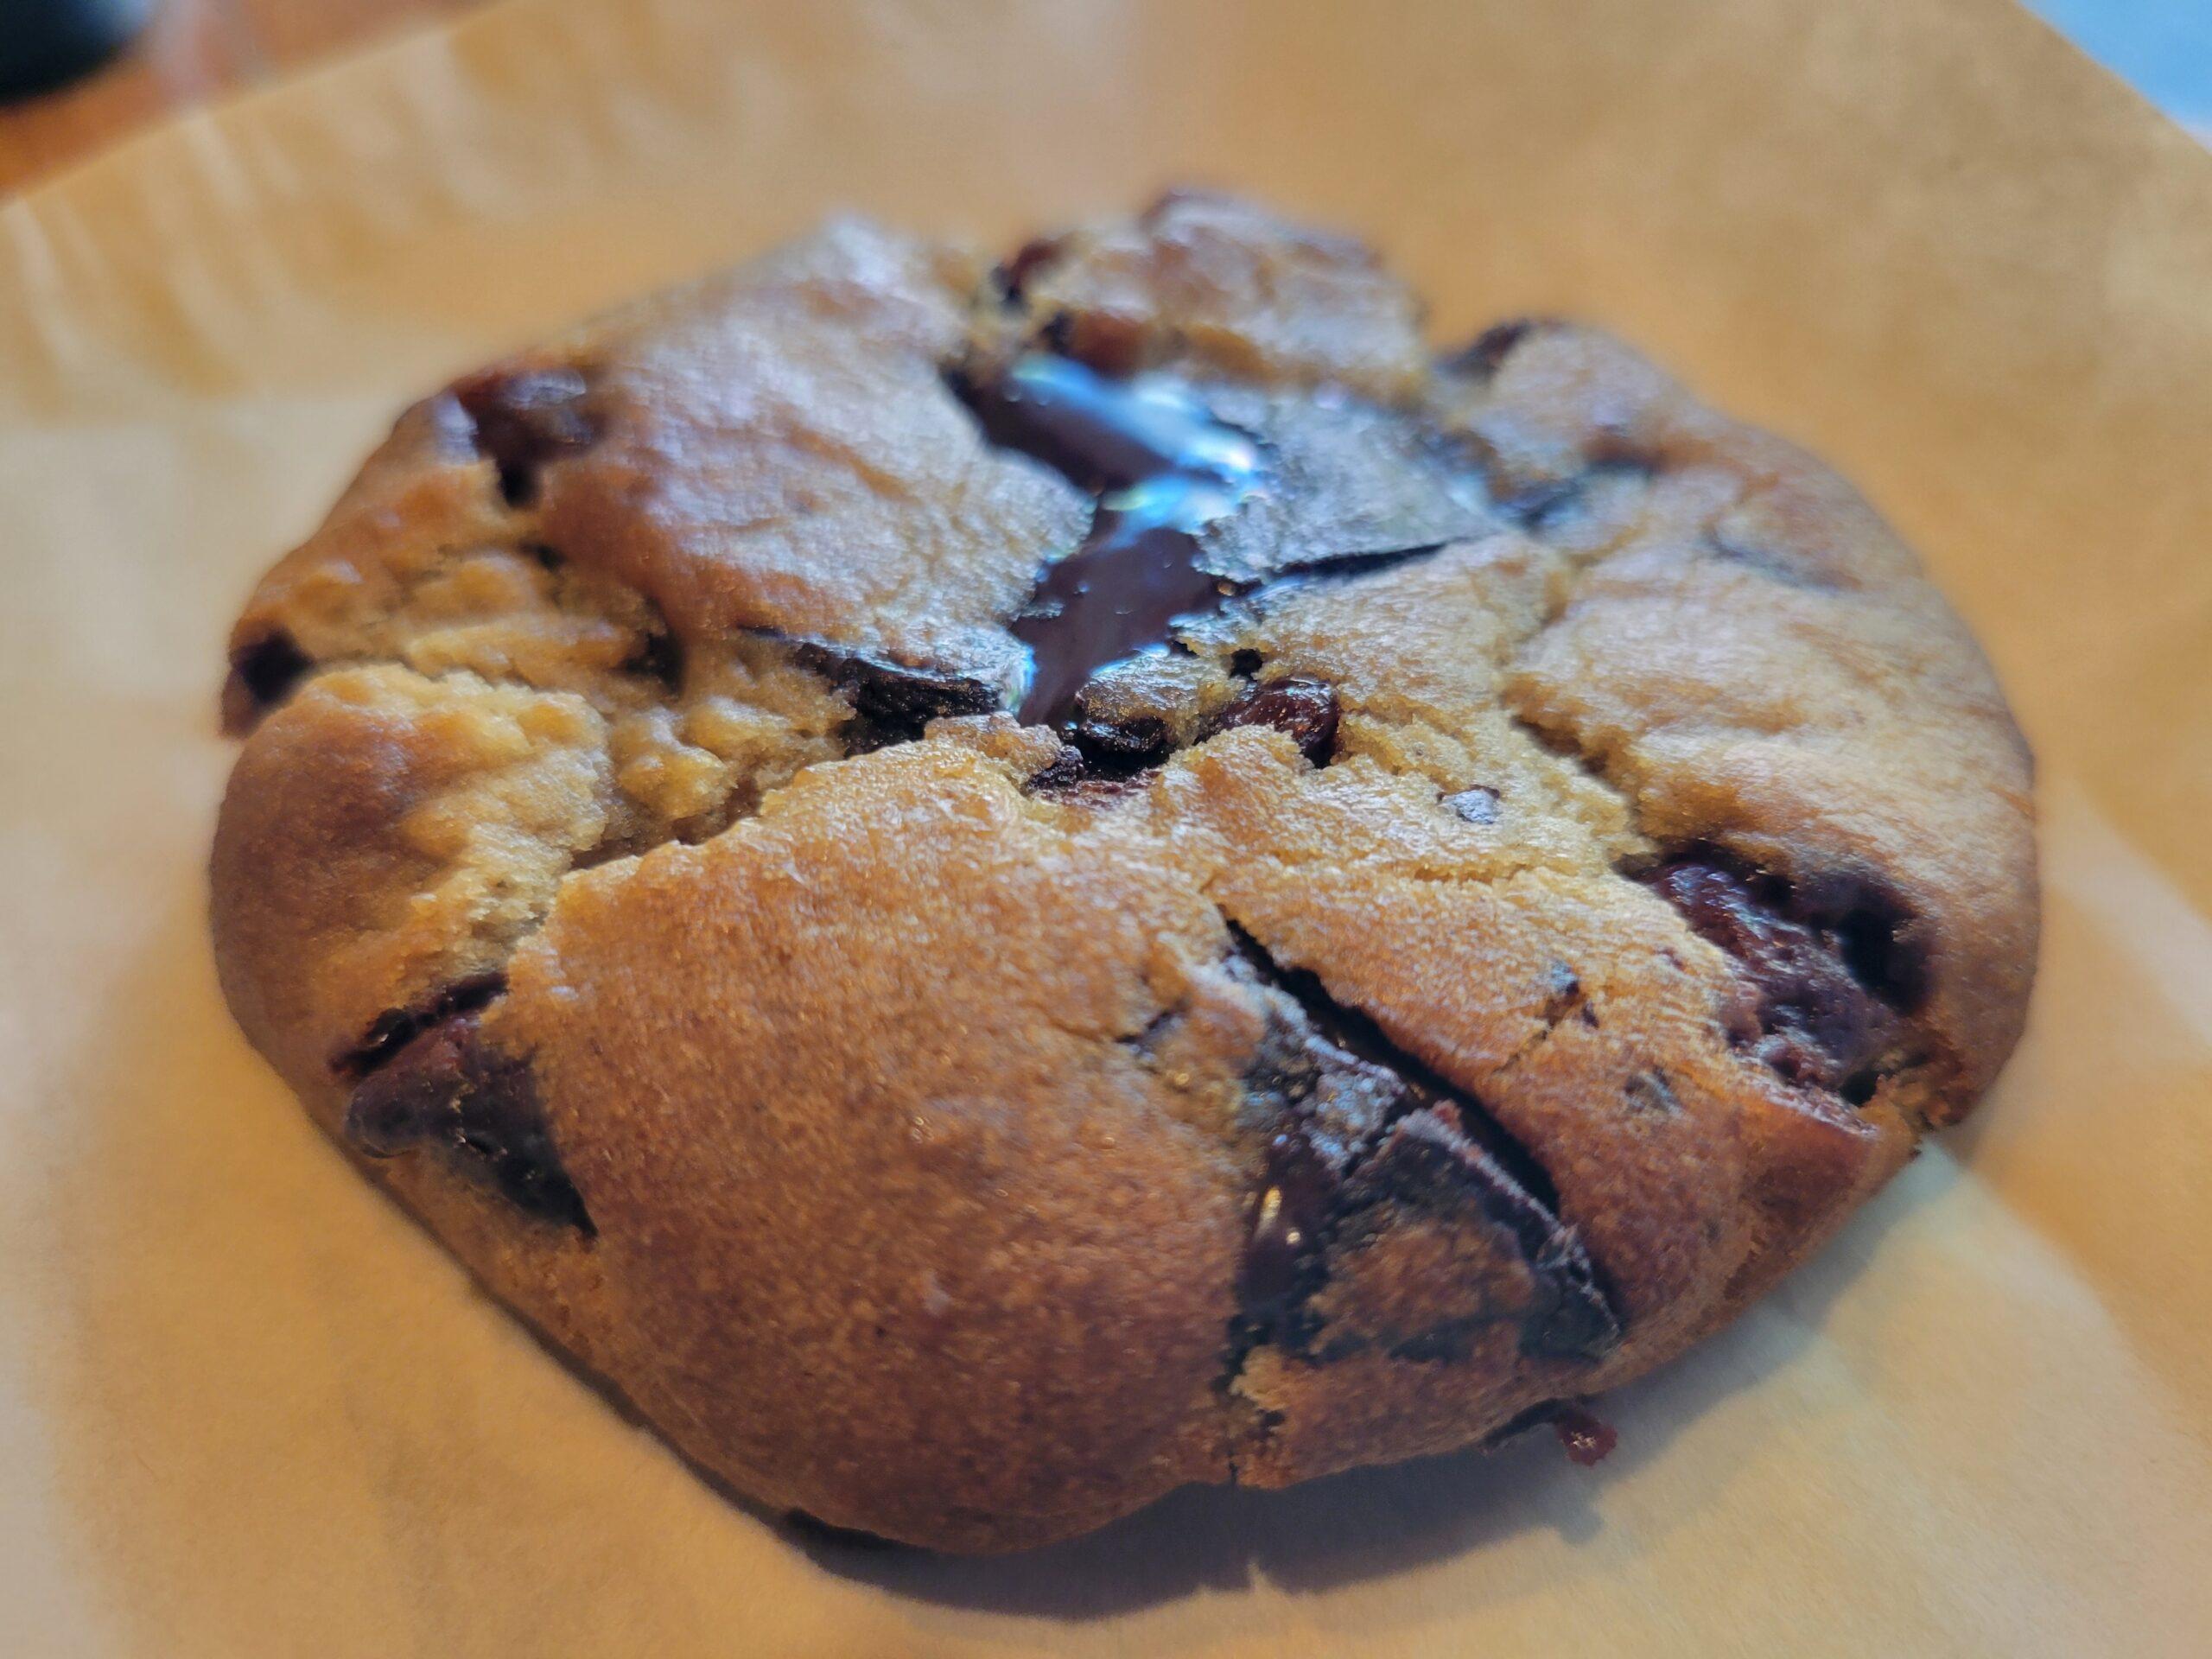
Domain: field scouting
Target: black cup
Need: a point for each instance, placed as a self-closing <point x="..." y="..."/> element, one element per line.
<point x="45" y="42"/>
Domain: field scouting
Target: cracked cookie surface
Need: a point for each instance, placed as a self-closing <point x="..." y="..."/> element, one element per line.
<point x="997" y="889"/>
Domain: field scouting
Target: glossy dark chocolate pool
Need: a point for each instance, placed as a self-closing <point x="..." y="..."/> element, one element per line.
<point x="1163" y="469"/>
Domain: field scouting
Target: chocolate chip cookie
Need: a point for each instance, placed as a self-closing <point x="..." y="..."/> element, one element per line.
<point x="996" y="889"/>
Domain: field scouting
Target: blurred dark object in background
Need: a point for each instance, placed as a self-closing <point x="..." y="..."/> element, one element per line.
<point x="45" y="43"/>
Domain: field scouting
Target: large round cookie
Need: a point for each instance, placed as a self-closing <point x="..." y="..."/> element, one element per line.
<point x="995" y="890"/>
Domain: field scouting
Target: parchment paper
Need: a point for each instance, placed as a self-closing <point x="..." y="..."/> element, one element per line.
<point x="246" y="1408"/>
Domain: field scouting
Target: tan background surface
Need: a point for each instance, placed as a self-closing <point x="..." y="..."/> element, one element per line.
<point x="246" y="1409"/>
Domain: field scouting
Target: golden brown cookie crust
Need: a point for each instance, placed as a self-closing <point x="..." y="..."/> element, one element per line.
<point x="1555" y="888"/>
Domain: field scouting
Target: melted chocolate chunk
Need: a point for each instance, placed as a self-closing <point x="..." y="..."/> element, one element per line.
<point x="1282" y="1257"/>
<point x="1121" y="745"/>
<point x="262" y="675"/>
<point x="1352" y="1031"/>
<point x="1164" y="469"/>
<point x="659" y="656"/>
<point x="1353" y="488"/>
<point x="1306" y="710"/>
<point x="1071" y="779"/>
<point x="1062" y="773"/>
<point x="1329" y="1105"/>
<point x="1111" y="435"/>
<point x="893" y="701"/>
<point x="525" y="420"/>
<point x="1874" y="930"/>
<point x="1429" y="1161"/>
<point x="1130" y="717"/>
<point x="395" y="1028"/>
<point x="1205" y="492"/>
<point x="1830" y="962"/>
<point x="1133" y="714"/>
<point x="1362" y="1125"/>
<point x="1120" y="594"/>
<point x="447" y="1087"/>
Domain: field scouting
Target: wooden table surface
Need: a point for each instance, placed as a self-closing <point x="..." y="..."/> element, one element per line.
<point x="193" y="51"/>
